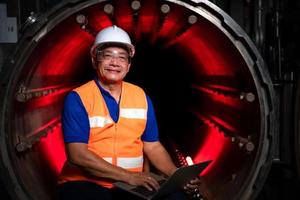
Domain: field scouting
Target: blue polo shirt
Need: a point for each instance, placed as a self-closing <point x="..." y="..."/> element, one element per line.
<point x="75" y="121"/>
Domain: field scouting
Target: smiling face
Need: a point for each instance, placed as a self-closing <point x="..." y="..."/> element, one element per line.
<point x="113" y="65"/>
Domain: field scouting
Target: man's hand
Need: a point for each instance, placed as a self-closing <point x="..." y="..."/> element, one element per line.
<point x="192" y="187"/>
<point x="143" y="179"/>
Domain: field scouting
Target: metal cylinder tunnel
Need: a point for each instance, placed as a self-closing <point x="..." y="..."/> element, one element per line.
<point x="207" y="81"/>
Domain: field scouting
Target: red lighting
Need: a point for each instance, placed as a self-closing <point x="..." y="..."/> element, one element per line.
<point x="211" y="149"/>
<point x="97" y="19"/>
<point x="61" y="57"/>
<point x="217" y="97"/>
<point x="53" y="149"/>
<point x="223" y="124"/>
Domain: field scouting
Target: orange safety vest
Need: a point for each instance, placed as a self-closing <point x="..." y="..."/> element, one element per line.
<point x="118" y="143"/>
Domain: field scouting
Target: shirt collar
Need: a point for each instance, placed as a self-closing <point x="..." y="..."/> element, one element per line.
<point x="103" y="91"/>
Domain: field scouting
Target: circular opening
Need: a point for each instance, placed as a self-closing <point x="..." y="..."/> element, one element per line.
<point x="207" y="82"/>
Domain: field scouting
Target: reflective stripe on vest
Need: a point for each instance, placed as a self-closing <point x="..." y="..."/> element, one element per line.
<point x="99" y="121"/>
<point x="133" y="113"/>
<point x="127" y="163"/>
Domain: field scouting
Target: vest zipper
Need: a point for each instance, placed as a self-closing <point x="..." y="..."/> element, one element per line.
<point x="115" y="144"/>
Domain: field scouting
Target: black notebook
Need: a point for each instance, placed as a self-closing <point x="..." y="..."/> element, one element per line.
<point x="175" y="182"/>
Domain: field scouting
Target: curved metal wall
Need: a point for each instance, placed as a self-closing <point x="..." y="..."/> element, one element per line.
<point x="211" y="90"/>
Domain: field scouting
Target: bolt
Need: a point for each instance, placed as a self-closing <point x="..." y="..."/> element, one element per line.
<point x="108" y="9"/>
<point x="165" y="8"/>
<point x="192" y="19"/>
<point x="135" y="5"/>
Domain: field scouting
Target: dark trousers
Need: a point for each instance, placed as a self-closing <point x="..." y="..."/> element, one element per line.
<point x="83" y="190"/>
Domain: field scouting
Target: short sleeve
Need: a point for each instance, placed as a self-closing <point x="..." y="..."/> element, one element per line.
<point x="151" y="131"/>
<point x="75" y="122"/>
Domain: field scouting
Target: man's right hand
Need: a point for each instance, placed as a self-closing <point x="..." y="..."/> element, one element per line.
<point x="143" y="179"/>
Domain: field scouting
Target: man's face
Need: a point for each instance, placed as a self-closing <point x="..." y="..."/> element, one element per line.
<point x="113" y="64"/>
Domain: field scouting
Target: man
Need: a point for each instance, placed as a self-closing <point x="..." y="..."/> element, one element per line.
<point x="108" y="126"/>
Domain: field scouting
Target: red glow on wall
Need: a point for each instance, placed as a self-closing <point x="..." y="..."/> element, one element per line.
<point x="211" y="149"/>
<point x="167" y="28"/>
<point x="124" y="18"/>
<point x="223" y="123"/>
<point x="171" y="24"/>
<point x="62" y="56"/>
<point x="98" y="19"/>
<point x="53" y="149"/>
<point x="225" y="100"/>
<point x="126" y="22"/>
<point x="47" y="100"/>
<point x="218" y="97"/>
<point x="146" y="23"/>
<point x="210" y="58"/>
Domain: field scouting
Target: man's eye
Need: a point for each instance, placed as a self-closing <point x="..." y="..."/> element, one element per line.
<point x="107" y="56"/>
<point x="123" y="58"/>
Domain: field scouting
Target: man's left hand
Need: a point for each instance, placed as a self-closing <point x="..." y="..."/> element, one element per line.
<point x="192" y="187"/>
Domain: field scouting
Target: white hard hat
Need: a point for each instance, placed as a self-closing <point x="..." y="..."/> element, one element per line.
<point x="110" y="36"/>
